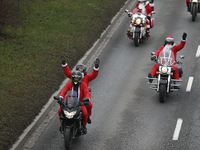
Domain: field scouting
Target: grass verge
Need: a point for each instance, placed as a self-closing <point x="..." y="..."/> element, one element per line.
<point x="30" y="53"/>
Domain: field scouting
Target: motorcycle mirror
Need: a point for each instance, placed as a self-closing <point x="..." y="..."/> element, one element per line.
<point x="126" y="10"/>
<point x="182" y="56"/>
<point x="153" y="12"/>
<point x="153" y="53"/>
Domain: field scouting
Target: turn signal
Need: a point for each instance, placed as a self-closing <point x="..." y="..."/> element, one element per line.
<point x="156" y="72"/>
<point x="172" y="73"/>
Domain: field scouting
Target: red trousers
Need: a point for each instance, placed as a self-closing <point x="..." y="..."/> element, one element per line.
<point x="176" y="71"/>
<point x="89" y="109"/>
<point x="84" y="114"/>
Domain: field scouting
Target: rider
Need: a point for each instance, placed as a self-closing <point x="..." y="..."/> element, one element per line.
<point x="146" y="8"/>
<point x="86" y="77"/>
<point x="169" y="42"/>
<point x="82" y="92"/>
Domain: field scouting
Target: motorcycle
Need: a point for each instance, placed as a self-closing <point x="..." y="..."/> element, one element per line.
<point x="194" y="8"/>
<point x="164" y="75"/>
<point x="138" y="26"/>
<point x="71" y="118"/>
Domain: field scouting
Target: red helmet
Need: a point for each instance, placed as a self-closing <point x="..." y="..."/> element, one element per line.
<point x="169" y="39"/>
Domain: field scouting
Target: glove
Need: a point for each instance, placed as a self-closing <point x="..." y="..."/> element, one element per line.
<point x="129" y="14"/>
<point x="63" y="59"/>
<point x="184" y="36"/>
<point x="152" y="1"/>
<point x="96" y="63"/>
<point x="153" y="57"/>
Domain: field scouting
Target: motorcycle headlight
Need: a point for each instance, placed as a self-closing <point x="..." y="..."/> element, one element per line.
<point x="138" y="21"/>
<point x="69" y="114"/>
<point x="164" y="69"/>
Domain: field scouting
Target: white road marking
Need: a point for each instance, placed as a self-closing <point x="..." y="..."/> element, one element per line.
<point x="198" y="51"/>
<point x="177" y="129"/>
<point x="189" y="85"/>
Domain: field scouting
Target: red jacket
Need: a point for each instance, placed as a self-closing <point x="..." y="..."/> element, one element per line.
<point x="87" y="78"/>
<point x="175" y="48"/>
<point x="83" y="91"/>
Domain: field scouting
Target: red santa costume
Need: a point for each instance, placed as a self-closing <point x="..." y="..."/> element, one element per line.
<point x="87" y="78"/>
<point x="175" y="49"/>
<point x="83" y="92"/>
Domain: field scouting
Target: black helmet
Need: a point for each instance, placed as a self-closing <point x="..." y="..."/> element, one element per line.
<point x="81" y="68"/>
<point x="169" y="39"/>
<point x="76" y="77"/>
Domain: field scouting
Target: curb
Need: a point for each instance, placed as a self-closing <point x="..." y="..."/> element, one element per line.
<point x="87" y="59"/>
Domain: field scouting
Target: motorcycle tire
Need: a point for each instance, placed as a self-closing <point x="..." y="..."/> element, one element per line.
<point x="194" y="12"/>
<point x="137" y="39"/>
<point x="68" y="136"/>
<point x="162" y="93"/>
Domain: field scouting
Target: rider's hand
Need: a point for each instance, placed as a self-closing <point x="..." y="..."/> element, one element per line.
<point x="129" y="14"/>
<point x="151" y="1"/>
<point x="153" y="57"/>
<point x="62" y="59"/>
<point x="184" y="36"/>
<point x="96" y="63"/>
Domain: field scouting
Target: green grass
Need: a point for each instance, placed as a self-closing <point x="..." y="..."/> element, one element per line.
<point x="30" y="55"/>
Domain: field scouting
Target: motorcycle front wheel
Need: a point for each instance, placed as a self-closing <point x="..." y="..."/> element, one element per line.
<point x="194" y="12"/>
<point x="162" y="93"/>
<point x="68" y="136"/>
<point x="137" y="39"/>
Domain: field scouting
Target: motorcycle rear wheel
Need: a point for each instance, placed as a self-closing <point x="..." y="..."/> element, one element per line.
<point x="68" y="136"/>
<point x="137" y="39"/>
<point x="194" y="12"/>
<point x="162" y="93"/>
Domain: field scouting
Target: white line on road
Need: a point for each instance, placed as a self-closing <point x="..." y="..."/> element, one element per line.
<point x="198" y="51"/>
<point x="189" y="85"/>
<point x="177" y="129"/>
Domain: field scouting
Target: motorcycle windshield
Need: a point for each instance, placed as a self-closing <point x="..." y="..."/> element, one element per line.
<point x="71" y="100"/>
<point x="166" y="57"/>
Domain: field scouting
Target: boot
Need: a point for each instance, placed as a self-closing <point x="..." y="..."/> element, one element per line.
<point x="89" y="120"/>
<point x="150" y="76"/>
<point x="84" y="129"/>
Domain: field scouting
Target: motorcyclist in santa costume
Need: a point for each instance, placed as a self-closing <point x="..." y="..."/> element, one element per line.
<point x="81" y="88"/>
<point x="86" y="78"/>
<point x="169" y="42"/>
<point x="145" y="7"/>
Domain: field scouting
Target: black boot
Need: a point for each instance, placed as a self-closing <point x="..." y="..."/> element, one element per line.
<point x="89" y="120"/>
<point x="150" y="76"/>
<point x="84" y="129"/>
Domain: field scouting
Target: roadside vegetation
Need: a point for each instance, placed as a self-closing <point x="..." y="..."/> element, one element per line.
<point x="33" y="36"/>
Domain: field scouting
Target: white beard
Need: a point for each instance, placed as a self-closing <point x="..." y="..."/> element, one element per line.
<point x="167" y="48"/>
<point x="142" y="7"/>
<point x="82" y="75"/>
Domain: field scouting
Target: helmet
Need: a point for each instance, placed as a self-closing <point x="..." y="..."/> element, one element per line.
<point x="76" y="77"/>
<point x="169" y="39"/>
<point x="81" y="68"/>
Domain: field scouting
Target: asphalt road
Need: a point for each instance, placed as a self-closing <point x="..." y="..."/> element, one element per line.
<point x="127" y="114"/>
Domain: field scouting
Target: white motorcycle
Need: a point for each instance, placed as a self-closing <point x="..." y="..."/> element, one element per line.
<point x="164" y="76"/>
<point x="137" y="31"/>
<point x="194" y="8"/>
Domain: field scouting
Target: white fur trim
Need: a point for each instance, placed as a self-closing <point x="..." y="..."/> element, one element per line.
<point x="96" y="68"/>
<point x="151" y="4"/>
<point x="148" y="26"/>
<point x="64" y="65"/>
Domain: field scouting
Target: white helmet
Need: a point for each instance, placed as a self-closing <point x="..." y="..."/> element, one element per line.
<point x="141" y="0"/>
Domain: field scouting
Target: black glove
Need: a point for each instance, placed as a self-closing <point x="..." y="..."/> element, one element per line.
<point x="129" y="14"/>
<point x="96" y="63"/>
<point x="184" y="36"/>
<point x="153" y="57"/>
<point x="63" y="59"/>
<point x="151" y="1"/>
